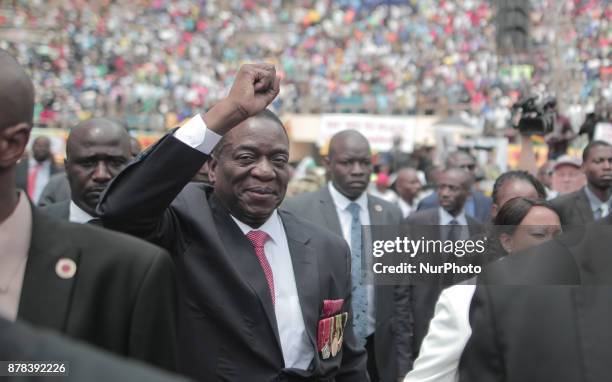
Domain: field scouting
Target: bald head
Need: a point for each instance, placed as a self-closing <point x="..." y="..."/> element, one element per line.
<point x="408" y="184"/>
<point x="461" y="159"/>
<point x="453" y="189"/>
<point x="349" y="163"/>
<point x="96" y="151"/>
<point x="97" y="131"/>
<point x="347" y="140"/>
<point x="16" y="93"/>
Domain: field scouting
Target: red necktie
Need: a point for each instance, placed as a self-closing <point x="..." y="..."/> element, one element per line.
<point x="258" y="239"/>
<point x="32" y="180"/>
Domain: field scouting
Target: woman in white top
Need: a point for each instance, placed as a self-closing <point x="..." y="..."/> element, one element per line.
<point x="520" y="223"/>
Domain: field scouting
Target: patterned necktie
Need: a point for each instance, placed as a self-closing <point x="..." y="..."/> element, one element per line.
<point x="360" y="302"/>
<point x="258" y="239"/>
<point x="454" y="230"/>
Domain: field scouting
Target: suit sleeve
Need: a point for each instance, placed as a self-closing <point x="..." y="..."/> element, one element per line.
<point x="138" y="200"/>
<point x="403" y="320"/>
<point x="153" y="324"/>
<point x="482" y="359"/>
<point x="354" y="358"/>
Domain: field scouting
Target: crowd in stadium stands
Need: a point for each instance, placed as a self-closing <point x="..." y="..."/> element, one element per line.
<point x="155" y="62"/>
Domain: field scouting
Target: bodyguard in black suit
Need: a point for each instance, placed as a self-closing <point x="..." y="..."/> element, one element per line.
<point x="111" y="290"/>
<point x="249" y="311"/>
<point x="96" y="151"/>
<point x="549" y="320"/>
<point x="447" y="222"/>
<point x="591" y="202"/>
<point x="20" y="342"/>
<point x="349" y="166"/>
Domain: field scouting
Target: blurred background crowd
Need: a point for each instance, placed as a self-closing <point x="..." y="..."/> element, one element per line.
<point x="152" y="63"/>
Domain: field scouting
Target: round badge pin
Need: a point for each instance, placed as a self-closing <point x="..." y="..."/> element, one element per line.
<point x="65" y="268"/>
<point x="378" y="208"/>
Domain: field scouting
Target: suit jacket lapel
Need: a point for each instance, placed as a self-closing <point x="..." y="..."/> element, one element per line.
<point x="45" y="297"/>
<point x="328" y="210"/>
<point x="376" y="212"/>
<point x="305" y="270"/>
<point x="243" y="257"/>
<point x="582" y="202"/>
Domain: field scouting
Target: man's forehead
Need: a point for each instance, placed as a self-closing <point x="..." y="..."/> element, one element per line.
<point x="600" y="151"/>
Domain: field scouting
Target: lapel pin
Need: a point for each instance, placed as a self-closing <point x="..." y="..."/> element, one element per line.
<point x="378" y="208"/>
<point x="65" y="268"/>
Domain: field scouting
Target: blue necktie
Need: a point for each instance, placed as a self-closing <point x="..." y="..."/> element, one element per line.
<point x="360" y="302"/>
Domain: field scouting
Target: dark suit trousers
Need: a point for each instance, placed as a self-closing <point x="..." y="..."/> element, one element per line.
<point x="371" y="349"/>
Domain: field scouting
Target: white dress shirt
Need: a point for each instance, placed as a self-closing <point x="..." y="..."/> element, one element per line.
<point x="15" y="235"/>
<point x="449" y="331"/>
<point x="297" y="351"/>
<point x="341" y="202"/>
<point x="406" y="208"/>
<point x="77" y="215"/>
<point x="598" y="208"/>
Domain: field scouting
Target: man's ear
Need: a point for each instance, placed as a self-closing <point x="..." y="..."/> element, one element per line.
<point x="494" y="208"/>
<point x="212" y="169"/>
<point x="506" y="242"/>
<point x="327" y="162"/>
<point x="13" y="141"/>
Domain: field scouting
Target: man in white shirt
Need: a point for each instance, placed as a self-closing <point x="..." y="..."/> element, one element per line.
<point x="343" y="206"/>
<point x="262" y="293"/>
<point x="96" y="151"/>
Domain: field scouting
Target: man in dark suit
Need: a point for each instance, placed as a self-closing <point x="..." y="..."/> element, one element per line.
<point x="385" y="327"/>
<point x="549" y="317"/>
<point x="57" y="190"/>
<point x="96" y="151"/>
<point x="263" y="293"/>
<point x="447" y="222"/>
<point x="34" y="173"/>
<point x="477" y="206"/>
<point x="591" y="202"/>
<point x="111" y="290"/>
<point x="408" y="187"/>
<point x="21" y="343"/>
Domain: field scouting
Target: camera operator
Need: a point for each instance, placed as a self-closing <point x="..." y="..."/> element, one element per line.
<point x="559" y="139"/>
<point x="601" y="114"/>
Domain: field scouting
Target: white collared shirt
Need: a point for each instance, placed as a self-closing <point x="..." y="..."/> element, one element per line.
<point x="596" y="204"/>
<point x="297" y="351"/>
<point x="77" y="215"/>
<point x="406" y="208"/>
<point x="446" y="218"/>
<point x="342" y="202"/>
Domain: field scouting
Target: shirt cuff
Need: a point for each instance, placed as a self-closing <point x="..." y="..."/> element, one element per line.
<point x="194" y="133"/>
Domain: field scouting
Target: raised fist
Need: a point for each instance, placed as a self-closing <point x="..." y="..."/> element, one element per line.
<point x="255" y="86"/>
